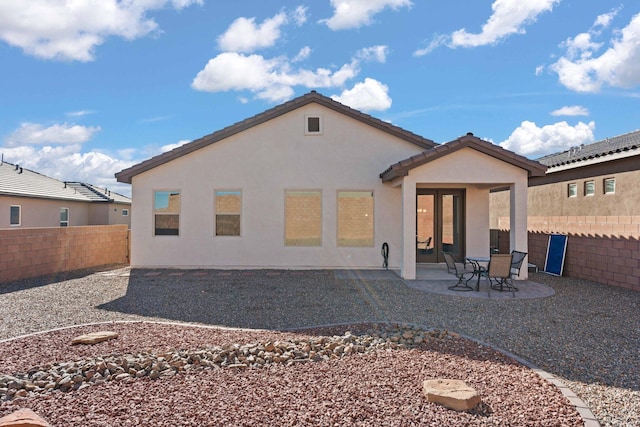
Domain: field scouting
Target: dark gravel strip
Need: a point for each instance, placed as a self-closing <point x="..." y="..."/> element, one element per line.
<point x="587" y="334"/>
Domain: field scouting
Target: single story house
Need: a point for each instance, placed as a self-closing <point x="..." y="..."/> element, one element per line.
<point x="313" y="183"/>
<point x="29" y="199"/>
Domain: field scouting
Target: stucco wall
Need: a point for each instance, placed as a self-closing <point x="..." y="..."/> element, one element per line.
<point x="42" y="212"/>
<point x="263" y="162"/>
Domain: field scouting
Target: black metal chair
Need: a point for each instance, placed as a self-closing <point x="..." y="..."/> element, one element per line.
<point x="460" y="270"/>
<point x="516" y="264"/>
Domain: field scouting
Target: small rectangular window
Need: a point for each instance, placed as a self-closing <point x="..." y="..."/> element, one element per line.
<point x="572" y="190"/>
<point x="589" y="188"/>
<point x="64" y="217"/>
<point x="228" y="211"/>
<point x="125" y="212"/>
<point x="303" y="218"/>
<point x="166" y="210"/>
<point x="610" y="186"/>
<point x="313" y="125"/>
<point x="14" y="215"/>
<point x="355" y="218"/>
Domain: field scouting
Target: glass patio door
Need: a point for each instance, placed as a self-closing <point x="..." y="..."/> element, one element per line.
<point x="439" y="224"/>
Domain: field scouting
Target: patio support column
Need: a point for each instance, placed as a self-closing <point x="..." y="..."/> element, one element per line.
<point x="408" y="265"/>
<point x="518" y="219"/>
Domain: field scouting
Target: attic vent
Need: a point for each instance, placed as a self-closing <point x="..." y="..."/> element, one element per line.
<point x="313" y="125"/>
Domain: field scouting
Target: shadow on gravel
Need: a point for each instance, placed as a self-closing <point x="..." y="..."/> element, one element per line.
<point x="36" y="282"/>
<point x="244" y="299"/>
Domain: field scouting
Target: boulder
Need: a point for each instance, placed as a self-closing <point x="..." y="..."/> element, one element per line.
<point x="94" y="337"/>
<point x="452" y="394"/>
<point x="24" y="417"/>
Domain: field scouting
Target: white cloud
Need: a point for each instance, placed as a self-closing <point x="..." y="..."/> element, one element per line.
<point x="356" y="13"/>
<point x="571" y="110"/>
<point x="79" y="113"/>
<point x="170" y="147"/>
<point x="37" y="134"/>
<point x="243" y="35"/>
<point x="539" y="70"/>
<point x="303" y="54"/>
<point x="270" y="79"/>
<point x="532" y="141"/>
<point x="619" y="66"/>
<point x="71" y="30"/>
<point x="370" y="95"/>
<point x="374" y="53"/>
<point x="509" y="17"/>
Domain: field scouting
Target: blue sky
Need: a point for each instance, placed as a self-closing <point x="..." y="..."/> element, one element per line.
<point x="90" y="87"/>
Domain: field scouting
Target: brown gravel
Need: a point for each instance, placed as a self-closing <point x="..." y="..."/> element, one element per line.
<point x="379" y="388"/>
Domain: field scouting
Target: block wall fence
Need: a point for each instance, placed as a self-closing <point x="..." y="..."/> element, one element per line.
<point x="33" y="252"/>
<point x="600" y="249"/>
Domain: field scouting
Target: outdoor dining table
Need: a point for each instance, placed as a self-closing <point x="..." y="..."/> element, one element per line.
<point x="479" y="266"/>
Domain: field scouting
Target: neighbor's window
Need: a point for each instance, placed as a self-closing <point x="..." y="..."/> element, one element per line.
<point x="303" y="218"/>
<point x="166" y="212"/>
<point x="228" y="210"/>
<point x="64" y="217"/>
<point x="610" y="186"/>
<point x="14" y="215"/>
<point x="313" y="125"/>
<point x="355" y="218"/>
<point x="572" y="190"/>
<point x="589" y="188"/>
<point x="125" y="212"/>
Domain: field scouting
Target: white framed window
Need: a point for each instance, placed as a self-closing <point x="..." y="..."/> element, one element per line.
<point x="589" y="188"/>
<point x="166" y="213"/>
<point x="15" y="215"/>
<point x="228" y="212"/>
<point x="572" y="190"/>
<point x="303" y="218"/>
<point x="355" y="218"/>
<point x="125" y="212"/>
<point x="312" y="125"/>
<point x="64" y="217"/>
<point x="609" y="186"/>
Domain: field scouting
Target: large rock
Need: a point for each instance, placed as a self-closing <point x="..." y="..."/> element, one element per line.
<point x="95" y="337"/>
<point x="453" y="394"/>
<point x="23" y="418"/>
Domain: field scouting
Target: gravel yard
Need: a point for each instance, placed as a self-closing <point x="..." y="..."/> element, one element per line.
<point x="587" y="334"/>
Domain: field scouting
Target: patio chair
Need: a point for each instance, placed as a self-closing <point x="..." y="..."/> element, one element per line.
<point x="516" y="263"/>
<point x="460" y="270"/>
<point x="499" y="269"/>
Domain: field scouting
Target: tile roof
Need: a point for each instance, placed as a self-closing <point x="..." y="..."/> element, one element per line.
<point x="403" y="167"/>
<point x="618" y="144"/>
<point x="21" y="182"/>
<point x="126" y="175"/>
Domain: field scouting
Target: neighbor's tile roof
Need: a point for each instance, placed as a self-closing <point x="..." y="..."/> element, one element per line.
<point x="18" y="181"/>
<point x="403" y="167"/>
<point x="618" y="144"/>
<point x="127" y="174"/>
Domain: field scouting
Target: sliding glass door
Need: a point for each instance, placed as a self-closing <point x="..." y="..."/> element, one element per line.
<point x="439" y="224"/>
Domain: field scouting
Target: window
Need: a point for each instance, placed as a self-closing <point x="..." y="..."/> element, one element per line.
<point x="589" y="188"/>
<point x="355" y="218"/>
<point x="64" y="217"/>
<point x="125" y="212"/>
<point x="572" y="190"/>
<point x="166" y="210"/>
<point x="14" y="215"/>
<point x="609" y="186"/>
<point x="313" y="125"/>
<point x="303" y="218"/>
<point x="228" y="210"/>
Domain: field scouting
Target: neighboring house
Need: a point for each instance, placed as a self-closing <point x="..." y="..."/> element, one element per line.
<point x="313" y="183"/>
<point x="591" y="189"/>
<point x="29" y="199"/>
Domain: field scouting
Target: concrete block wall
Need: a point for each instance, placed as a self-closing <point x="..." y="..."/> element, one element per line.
<point x="33" y="252"/>
<point x="612" y="260"/>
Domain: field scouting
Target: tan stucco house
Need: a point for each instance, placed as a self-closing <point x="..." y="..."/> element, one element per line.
<point x="29" y="199"/>
<point x="313" y="183"/>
